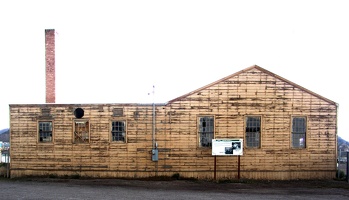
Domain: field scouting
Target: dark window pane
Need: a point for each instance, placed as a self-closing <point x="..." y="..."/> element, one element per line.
<point x="253" y="127"/>
<point x="45" y="131"/>
<point x="118" y="132"/>
<point x="299" y="127"/>
<point x="206" y="129"/>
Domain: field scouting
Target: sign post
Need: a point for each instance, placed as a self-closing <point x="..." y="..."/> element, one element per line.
<point x="238" y="167"/>
<point x="227" y="147"/>
<point x="215" y="169"/>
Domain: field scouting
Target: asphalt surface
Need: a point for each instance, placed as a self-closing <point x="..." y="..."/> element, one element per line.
<point x="42" y="188"/>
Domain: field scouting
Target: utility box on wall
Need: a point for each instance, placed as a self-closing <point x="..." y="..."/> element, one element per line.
<point x="154" y="154"/>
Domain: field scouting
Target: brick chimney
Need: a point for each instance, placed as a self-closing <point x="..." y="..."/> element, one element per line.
<point x="50" y="65"/>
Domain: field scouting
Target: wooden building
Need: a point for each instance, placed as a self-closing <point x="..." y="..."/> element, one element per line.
<point x="288" y="133"/>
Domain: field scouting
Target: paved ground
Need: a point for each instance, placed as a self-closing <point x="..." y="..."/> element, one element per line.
<point x="42" y="188"/>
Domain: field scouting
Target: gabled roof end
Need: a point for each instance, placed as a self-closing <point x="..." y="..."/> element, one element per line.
<point x="263" y="70"/>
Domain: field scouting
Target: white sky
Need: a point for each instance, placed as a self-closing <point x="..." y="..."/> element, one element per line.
<point x="115" y="51"/>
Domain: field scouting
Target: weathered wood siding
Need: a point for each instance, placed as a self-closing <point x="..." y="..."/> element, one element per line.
<point x="256" y="93"/>
<point x="253" y="92"/>
<point x="99" y="157"/>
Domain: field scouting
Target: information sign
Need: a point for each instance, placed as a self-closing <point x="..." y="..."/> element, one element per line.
<point x="227" y="147"/>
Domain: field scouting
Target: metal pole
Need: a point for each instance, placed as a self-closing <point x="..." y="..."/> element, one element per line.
<point x="215" y="168"/>
<point x="338" y="162"/>
<point x="348" y="167"/>
<point x="8" y="164"/>
<point x="238" y="167"/>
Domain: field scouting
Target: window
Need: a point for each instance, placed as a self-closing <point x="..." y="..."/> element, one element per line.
<point x="81" y="131"/>
<point x="253" y="135"/>
<point x="118" y="131"/>
<point x="206" y="131"/>
<point x="45" y="131"/>
<point x="299" y="127"/>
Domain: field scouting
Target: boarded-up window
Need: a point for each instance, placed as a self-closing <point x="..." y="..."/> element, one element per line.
<point x="206" y="131"/>
<point x="299" y="127"/>
<point x="253" y="134"/>
<point x="81" y="131"/>
<point x="118" y="131"/>
<point x="45" y="131"/>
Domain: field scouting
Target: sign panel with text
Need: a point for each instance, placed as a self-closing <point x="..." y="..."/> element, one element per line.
<point x="227" y="147"/>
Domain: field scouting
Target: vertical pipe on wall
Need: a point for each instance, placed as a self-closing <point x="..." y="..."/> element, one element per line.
<point x="153" y="124"/>
<point x="154" y="144"/>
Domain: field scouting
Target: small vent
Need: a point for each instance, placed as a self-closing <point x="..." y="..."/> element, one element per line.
<point x="136" y="115"/>
<point x="45" y="111"/>
<point x="79" y="113"/>
<point x="118" y="112"/>
<point x="100" y="108"/>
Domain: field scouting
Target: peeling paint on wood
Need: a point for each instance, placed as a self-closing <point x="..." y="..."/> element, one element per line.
<point x="253" y="91"/>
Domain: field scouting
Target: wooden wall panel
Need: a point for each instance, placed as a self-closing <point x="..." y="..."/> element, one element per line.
<point x="251" y="92"/>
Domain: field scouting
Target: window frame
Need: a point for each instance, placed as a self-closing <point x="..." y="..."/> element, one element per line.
<point x="199" y="132"/>
<point x="293" y="134"/>
<point x="74" y="131"/>
<point x="111" y="131"/>
<point x="38" y="131"/>
<point x="259" y="132"/>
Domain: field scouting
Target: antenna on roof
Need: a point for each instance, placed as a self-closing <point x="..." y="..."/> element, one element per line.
<point x="153" y="93"/>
